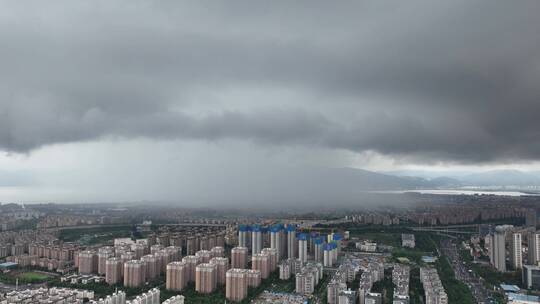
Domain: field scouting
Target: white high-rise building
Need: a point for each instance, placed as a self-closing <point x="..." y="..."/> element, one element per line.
<point x="516" y="251"/>
<point x="291" y="241"/>
<point x="534" y="248"/>
<point x="175" y="300"/>
<point x="256" y="240"/>
<point x="302" y="248"/>
<point x="498" y="249"/>
<point x="242" y="236"/>
<point x="275" y="241"/>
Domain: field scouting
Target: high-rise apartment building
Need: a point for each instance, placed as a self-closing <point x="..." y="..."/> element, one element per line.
<point x="222" y="265"/>
<point x="138" y="250"/>
<point x="205" y="278"/>
<point x="103" y="254"/>
<point x="256" y="239"/>
<point x="204" y="255"/>
<point x="134" y="273"/>
<point x="236" y="286"/>
<point x="176" y="276"/>
<point x="531" y="218"/>
<point x="276" y="242"/>
<point x="113" y="270"/>
<point x="192" y="262"/>
<point x="152" y="269"/>
<point x="531" y="276"/>
<point x="272" y="253"/>
<point x="302" y="247"/>
<point x="217" y="252"/>
<point x="239" y="257"/>
<point x="318" y="250"/>
<point x="284" y="271"/>
<point x="516" y="251"/>
<point x="88" y="262"/>
<point x="498" y="249"/>
<point x="254" y="277"/>
<point x="243" y="231"/>
<point x="155" y="248"/>
<point x="291" y="241"/>
<point x="534" y="248"/>
<point x="261" y="262"/>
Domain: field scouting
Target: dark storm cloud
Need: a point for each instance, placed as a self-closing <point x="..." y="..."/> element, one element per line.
<point x="439" y="80"/>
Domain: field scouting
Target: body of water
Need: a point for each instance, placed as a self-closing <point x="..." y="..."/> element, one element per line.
<point x="466" y="192"/>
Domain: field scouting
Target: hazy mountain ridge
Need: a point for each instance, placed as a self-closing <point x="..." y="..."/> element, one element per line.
<point x="359" y="179"/>
<point x="498" y="178"/>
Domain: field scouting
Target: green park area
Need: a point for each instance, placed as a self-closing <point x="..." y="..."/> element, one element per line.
<point x="24" y="277"/>
<point x="426" y="245"/>
<point x="95" y="235"/>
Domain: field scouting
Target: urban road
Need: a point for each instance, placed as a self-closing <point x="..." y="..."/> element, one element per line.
<point x="481" y="294"/>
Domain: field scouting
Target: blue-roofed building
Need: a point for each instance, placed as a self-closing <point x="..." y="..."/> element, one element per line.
<point x="243" y="227"/>
<point x="518" y="298"/>
<point x="8" y="265"/>
<point x="428" y="259"/>
<point x="509" y="288"/>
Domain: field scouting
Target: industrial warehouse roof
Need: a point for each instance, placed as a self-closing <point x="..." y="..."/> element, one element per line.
<point x="509" y="288"/>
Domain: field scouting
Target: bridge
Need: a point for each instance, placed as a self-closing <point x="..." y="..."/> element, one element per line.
<point x="449" y="230"/>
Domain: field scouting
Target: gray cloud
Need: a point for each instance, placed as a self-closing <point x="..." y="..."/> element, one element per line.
<point x="439" y="81"/>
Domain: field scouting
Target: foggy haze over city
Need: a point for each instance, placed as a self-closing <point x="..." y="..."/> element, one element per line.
<point x="250" y="103"/>
<point x="270" y="152"/>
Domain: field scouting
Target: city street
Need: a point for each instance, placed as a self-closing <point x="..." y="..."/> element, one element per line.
<point x="480" y="293"/>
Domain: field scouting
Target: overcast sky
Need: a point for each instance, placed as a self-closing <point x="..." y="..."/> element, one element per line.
<point x="186" y="100"/>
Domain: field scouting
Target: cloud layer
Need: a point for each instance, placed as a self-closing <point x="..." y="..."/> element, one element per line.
<point x="449" y="81"/>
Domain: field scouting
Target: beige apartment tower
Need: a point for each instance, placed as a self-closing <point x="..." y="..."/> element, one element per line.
<point x="239" y="257"/>
<point x="254" y="278"/>
<point x="176" y="277"/>
<point x="152" y="270"/>
<point x="236" y="286"/>
<point x="204" y="255"/>
<point x="205" y="278"/>
<point x="261" y="262"/>
<point x="273" y="257"/>
<point x="192" y="262"/>
<point x="218" y="252"/>
<point x="134" y="273"/>
<point x="222" y="265"/>
<point x="88" y="262"/>
<point x="103" y="254"/>
<point x="113" y="270"/>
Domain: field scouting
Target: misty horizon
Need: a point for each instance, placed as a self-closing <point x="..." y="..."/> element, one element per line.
<point x="252" y="104"/>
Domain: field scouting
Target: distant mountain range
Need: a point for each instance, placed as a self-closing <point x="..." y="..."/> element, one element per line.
<point x="352" y="180"/>
<point x="494" y="178"/>
<point x="349" y="181"/>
